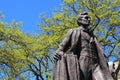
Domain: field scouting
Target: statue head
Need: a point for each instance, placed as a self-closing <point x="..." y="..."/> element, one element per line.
<point x="83" y="19"/>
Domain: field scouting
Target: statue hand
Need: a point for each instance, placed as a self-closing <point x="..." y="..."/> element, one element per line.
<point x="57" y="56"/>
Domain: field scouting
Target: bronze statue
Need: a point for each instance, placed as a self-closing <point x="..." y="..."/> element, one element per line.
<point x="79" y="56"/>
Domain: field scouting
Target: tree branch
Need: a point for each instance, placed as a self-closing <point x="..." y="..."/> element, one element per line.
<point x="111" y="51"/>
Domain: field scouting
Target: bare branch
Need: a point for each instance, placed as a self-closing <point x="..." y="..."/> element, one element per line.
<point x="111" y="51"/>
<point x="96" y="23"/>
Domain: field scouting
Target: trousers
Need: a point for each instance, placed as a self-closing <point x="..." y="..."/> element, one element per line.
<point x="90" y="69"/>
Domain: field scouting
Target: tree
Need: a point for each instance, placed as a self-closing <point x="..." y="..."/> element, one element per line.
<point x="14" y="52"/>
<point x="21" y="54"/>
<point x="104" y="15"/>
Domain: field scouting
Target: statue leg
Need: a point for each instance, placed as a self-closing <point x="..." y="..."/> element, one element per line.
<point x="97" y="74"/>
<point x="85" y="71"/>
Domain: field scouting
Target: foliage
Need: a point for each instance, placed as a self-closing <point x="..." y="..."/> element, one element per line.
<point x="20" y="53"/>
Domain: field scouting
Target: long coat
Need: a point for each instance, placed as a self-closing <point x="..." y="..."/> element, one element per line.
<point x="67" y="68"/>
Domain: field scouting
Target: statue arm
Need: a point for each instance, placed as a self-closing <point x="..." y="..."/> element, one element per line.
<point x="66" y="43"/>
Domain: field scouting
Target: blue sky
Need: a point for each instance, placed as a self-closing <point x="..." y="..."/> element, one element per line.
<point x="27" y="11"/>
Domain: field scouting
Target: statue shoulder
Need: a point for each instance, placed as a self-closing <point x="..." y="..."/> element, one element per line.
<point x="74" y="30"/>
<point x="70" y="31"/>
<point x="78" y="29"/>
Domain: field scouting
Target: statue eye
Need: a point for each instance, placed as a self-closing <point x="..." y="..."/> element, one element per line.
<point x="86" y="17"/>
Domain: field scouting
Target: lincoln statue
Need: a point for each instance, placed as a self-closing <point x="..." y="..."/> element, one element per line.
<point x="79" y="56"/>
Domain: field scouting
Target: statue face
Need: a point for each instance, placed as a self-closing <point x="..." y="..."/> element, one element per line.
<point x="83" y="19"/>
